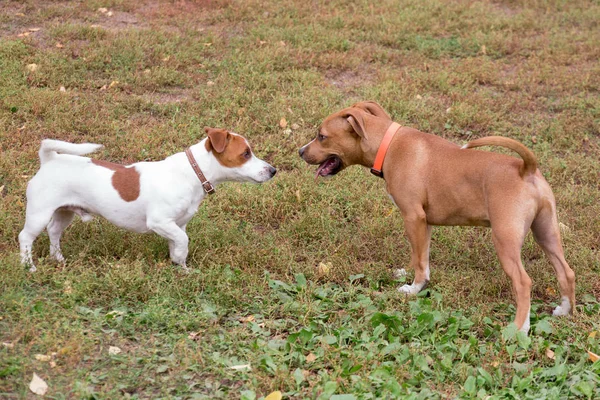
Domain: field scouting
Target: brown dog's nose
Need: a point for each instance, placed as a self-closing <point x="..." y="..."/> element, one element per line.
<point x="301" y="151"/>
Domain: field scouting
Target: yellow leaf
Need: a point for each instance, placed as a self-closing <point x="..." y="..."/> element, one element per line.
<point x="32" y="67"/>
<point x="324" y="268"/>
<point x="282" y="122"/>
<point x="42" y="357"/>
<point x="276" y="395"/>
<point x="310" y="357"/>
<point x="249" y="318"/>
<point x="113" y="84"/>
<point x="592" y="334"/>
<point x="550" y="354"/>
<point x="593" y="357"/>
<point x="59" y="45"/>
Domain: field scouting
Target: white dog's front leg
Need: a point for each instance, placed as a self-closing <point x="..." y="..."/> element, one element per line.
<point x="178" y="241"/>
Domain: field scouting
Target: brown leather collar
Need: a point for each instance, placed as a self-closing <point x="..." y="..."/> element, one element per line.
<point x="208" y="187"/>
<point x="383" y="148"/>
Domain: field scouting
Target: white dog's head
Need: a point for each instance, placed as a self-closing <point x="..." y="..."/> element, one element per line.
<point x="233" y="152"/>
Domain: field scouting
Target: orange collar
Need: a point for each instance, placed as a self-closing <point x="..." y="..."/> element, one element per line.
<point x="383" y="148"/>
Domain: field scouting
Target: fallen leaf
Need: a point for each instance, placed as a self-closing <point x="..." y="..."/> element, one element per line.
<point x="94" y="26"/>
<point x="550" y="291"/>
<point x="114" y="350"/>
<point x="287" y="131"/>
<point x="110" y="13"/>
<point x="240" y="367"/>
<point x="298" y="197"/>
<point x="310" y="357"/>
<point x="62" y="89"/>
<point x="592" y="333"/>
<point x="34" y="29"/>
<point x="564" y="228"/>
<point x="593" y="357"/>
<point x="448" y="110"/>
<point x="282" y="123"/>
<point x="103" y="10"/>
<point x="32" y="67"/>
<point x="495" y="364"/>
<point x="262" y="42"/>
<point x="167" y="58"/>
<point x="419" y="97"/>
<point x="37" y="385"/>
<point x="534" y="139"/>
<point x="59" y="45"/>
<point x="550" y="354"/>
<point x="282" y="43"/>
<point x="324" y="268"/>
<point x="210" y="83"/>
<point x="276" y="395"/>
<point x="42" y="357"/>
<point x="8" y="345"/>
<point x="52" y="364"/>
<point x="113" y="84"/>
<point x="249" y="318"/>
<point x="194" y="335"/>
<point x="483" y="50"/>
<point x="103" y="87"/>
<point x="20" y="14"/>
<point x="24" y="34"/>
<point x="295" y="126"/>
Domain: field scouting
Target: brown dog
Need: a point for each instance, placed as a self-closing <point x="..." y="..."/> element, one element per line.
<point x="436" y="182"/>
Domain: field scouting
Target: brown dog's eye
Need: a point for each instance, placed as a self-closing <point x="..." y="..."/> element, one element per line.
<point x="320" y="137"/>
<point x="246" y="154"/>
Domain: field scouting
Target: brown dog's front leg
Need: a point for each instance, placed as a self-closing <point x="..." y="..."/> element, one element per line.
<point x="419" y="236"/>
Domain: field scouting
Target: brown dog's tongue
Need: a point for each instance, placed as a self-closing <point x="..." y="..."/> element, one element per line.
<point x="318" y="173"/>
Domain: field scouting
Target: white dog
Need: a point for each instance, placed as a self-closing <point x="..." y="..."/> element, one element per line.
<point x="159" y="196"/>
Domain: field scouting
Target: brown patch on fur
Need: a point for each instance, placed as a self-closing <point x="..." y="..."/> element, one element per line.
<point x="234" y="151"/>
<point x="125" y="180"/>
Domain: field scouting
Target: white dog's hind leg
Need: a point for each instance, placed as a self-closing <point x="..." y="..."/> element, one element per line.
<point x="60" y="220"/>
<point x="35" y="222"/>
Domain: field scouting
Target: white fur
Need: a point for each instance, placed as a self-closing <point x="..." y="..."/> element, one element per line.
<point x="564" y="308"/>
<point x="415" y="287"/>
<point x="170" y="193"/>
<point x="526" y="324"/>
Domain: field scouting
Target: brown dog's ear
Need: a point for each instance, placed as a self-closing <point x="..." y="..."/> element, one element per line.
<point x="372" y="108"/>
<point x="217" y="138"/>
<point x="356" y="119"/>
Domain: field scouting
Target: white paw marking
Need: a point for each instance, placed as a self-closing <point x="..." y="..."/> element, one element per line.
<point x="32" y="269"/>
<point x="526" y="324"/>
<point x="564" y="308"/>
<point x="410" y="289"/>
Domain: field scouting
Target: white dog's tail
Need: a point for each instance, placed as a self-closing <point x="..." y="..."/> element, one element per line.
<point x="50" y="147"/>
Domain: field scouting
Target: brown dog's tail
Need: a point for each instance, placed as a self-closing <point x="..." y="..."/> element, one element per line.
<point x="529" y="161"/>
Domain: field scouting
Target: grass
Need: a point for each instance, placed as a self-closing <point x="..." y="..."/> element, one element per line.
<point x="146" y="80"/>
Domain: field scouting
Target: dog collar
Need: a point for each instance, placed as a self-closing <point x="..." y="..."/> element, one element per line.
<point x="208" y="187"/>
<point x="383" y="148"/>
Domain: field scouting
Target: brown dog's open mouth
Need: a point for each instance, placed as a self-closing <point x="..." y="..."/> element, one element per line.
<point x="329" y="167"/>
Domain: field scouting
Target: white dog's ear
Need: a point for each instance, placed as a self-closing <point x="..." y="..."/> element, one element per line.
<point x="217" y="138"/>
<point x="356" y="120"/>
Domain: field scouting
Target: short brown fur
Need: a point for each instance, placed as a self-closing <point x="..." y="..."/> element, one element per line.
<point x="435" y="182"/>
<point x="230" y="150"/>
<point x="125" y="180"/>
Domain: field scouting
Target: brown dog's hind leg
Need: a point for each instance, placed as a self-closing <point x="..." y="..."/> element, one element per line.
<point x="508" y="241"/>
<point x="419" y="236"/>
<point x="547" y="234"/>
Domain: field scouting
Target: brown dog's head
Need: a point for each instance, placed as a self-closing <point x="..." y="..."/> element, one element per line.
<point x="343" y="138"/>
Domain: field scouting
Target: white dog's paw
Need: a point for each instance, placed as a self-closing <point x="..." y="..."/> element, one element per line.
<point x="563" y="309"/>
<point x="399" y="273"/>
<point x="32" y="268"/>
